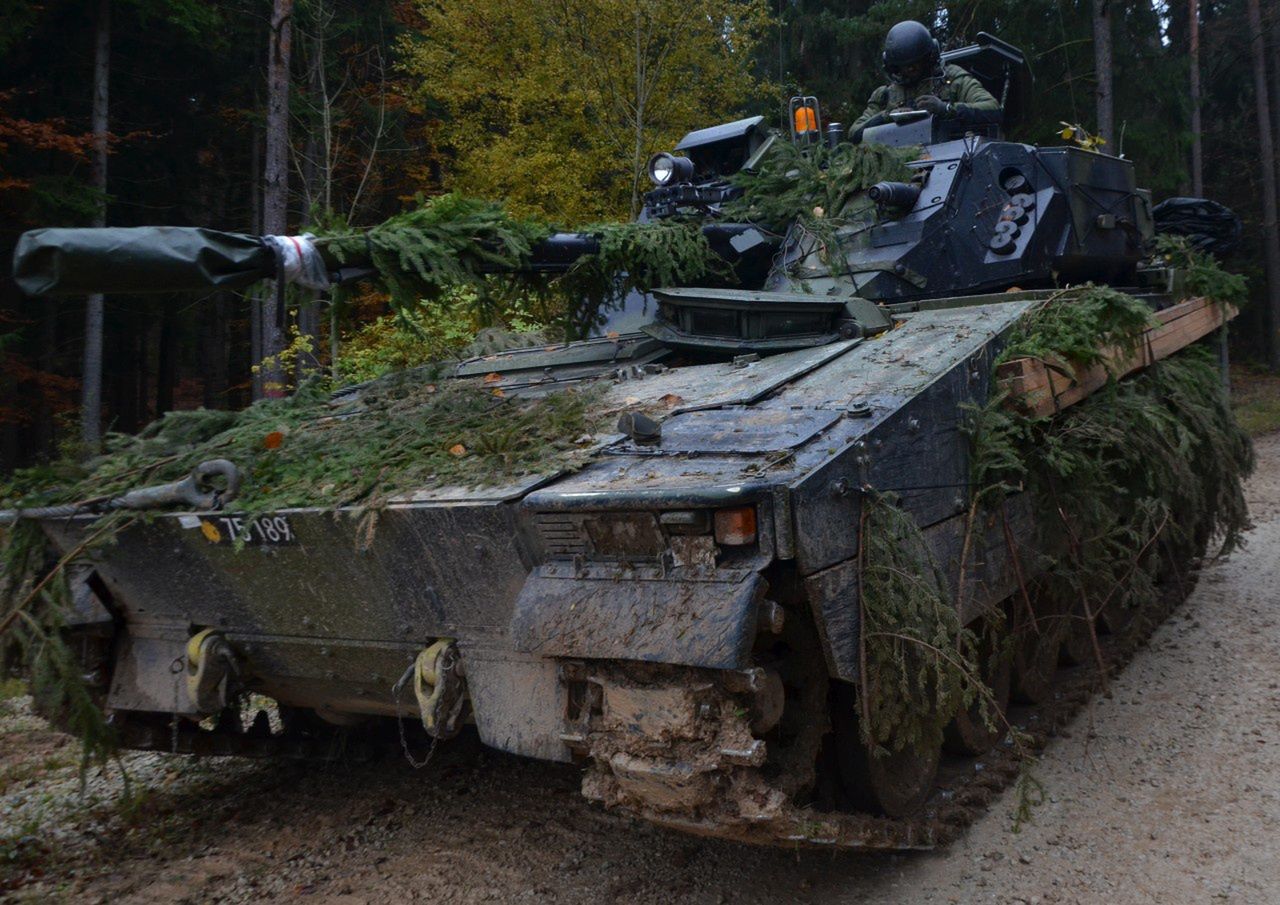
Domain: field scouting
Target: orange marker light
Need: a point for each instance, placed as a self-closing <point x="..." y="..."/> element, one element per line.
<point x="806" y="120"/>
<point x="736" y="527"/>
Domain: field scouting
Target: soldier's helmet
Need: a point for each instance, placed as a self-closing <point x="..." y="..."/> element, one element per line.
<point x="910" y="53"/>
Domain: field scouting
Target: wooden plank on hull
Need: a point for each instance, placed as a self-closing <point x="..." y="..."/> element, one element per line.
<point x="1040" y="388"/>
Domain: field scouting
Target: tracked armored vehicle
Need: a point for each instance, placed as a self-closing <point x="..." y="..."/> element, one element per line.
<point x="681" y="613"/>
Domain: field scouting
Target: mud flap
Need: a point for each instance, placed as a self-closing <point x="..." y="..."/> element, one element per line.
<point x="691" y="623"/>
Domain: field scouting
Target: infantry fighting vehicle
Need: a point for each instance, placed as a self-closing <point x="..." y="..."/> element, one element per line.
<point x="681" y="616"/>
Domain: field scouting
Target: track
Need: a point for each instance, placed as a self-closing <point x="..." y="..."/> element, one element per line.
<point x="966" y="785"/>
<point x="1166" y="790"/>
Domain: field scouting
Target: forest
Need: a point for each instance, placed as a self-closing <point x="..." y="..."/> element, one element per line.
<point x="283" y="116"/>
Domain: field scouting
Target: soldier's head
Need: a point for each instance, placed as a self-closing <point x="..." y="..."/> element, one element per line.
<point x="910" y="53"/>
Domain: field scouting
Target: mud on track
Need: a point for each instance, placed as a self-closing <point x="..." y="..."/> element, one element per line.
<point x="1168" y="790"/>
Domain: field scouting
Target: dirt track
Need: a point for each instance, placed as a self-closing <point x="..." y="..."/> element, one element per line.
<point x="1167" y="791"/>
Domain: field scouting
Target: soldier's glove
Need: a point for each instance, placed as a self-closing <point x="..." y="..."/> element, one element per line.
<point x="936" y="106"/>
<point x="878" y="120"/>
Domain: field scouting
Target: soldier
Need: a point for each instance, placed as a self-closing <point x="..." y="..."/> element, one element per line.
<point x="913" y="62"/>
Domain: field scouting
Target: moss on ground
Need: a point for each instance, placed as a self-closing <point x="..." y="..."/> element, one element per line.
<point x="1255" y="398"/>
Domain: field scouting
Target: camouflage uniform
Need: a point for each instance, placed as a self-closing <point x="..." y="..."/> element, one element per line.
<point x="955" y="86"/>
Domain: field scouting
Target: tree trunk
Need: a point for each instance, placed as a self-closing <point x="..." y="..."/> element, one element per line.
<point x="275" y="178"/>
<point x="1103" y="69"/>
<point x="213" y="351"/>
<point x="91" y="379"/>
<point x="47" y="362"/>
<point x="315" y="181"/>
<point x="1266" y="150"/>
<point x="1197" y="151"/>
<point x="255" y="292"/>
<point x="166" y="360"/>
<point x="1275" y="77"/>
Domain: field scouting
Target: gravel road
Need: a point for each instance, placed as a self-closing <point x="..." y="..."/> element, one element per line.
<point x="1167" y="790"/>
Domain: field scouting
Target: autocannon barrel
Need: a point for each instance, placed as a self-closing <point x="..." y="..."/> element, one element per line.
<point x="143" y="259"/>
<point x="191" y="259"/>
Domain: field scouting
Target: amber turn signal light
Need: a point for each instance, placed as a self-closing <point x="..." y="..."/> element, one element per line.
<point x="736" y="527"/>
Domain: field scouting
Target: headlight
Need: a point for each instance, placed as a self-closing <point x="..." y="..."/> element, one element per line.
<point x="667" y="169"/>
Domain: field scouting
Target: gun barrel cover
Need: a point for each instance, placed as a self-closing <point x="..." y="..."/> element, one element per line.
<point x="138" y="259"/>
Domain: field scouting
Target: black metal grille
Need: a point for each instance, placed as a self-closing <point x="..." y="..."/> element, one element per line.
<point x="562" y="535"/>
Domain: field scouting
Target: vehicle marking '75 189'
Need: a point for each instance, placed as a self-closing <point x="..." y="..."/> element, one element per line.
<point x="270" y="530"/>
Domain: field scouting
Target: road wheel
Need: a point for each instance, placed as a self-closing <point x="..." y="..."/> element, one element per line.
<point x="896" y="784"/>
<point x="1077" y="641"/>
<point x="968" y="732"/>
<point x="1037" y="642"/>
<point x="1118" y="616"/>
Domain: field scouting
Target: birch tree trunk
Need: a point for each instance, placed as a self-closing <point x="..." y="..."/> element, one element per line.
<point x="1266" y="150"/>
<point x="1103" y="69"/>
<point x="275" y="178"/>
<point x="91" y="378"/>
<point x="1197" y="150"/>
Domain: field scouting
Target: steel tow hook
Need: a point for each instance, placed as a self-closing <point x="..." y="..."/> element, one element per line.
<point x="195" y="490"/>
<point x="211" y="665"/>
<point x="440" y="688"/>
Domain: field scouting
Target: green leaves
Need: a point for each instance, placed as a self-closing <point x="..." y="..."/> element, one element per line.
<point x="1077" y="326"/>
<point x="447" y="242"/>
<point x="1135" y="480"/>
<point x="816" y="185"/>
<point x="1204" y="275"/>
<point x="304" y="451"/>
<point x="34" y="606"/>
<point x="454" y="248"/>
<point x="923" y="665"/>
<point x="587" y="92"/>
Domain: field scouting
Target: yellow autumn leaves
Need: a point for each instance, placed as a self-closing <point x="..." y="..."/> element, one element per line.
<point x="1082" y="137"/>
<point x="556" y="107"/>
